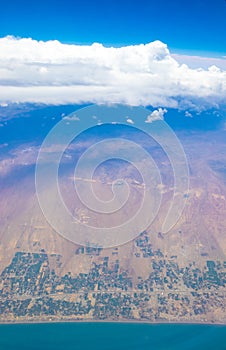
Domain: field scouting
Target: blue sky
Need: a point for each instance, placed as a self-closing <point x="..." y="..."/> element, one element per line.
<point x="190" y="26"/>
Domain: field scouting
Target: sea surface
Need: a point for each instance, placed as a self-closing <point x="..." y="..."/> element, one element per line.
<point x="111" y="336"/>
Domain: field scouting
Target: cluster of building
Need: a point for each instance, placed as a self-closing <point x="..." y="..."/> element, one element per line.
<point x="30" y="289"/>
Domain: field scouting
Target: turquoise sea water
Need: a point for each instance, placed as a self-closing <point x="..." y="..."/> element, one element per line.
<point x="111" y="336"/>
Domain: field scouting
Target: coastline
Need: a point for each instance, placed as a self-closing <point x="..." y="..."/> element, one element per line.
<point x="121" y="321"/>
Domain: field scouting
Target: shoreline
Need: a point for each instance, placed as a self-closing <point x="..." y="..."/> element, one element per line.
<point x="90" y="321"/>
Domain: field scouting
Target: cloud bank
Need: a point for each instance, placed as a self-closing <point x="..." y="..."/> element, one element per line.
<point x="55" y="73"/>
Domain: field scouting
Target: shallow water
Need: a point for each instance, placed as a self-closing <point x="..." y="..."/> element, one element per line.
<point x="109" y="336"/>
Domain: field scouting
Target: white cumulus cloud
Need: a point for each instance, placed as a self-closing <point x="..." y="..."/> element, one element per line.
<point x="130" y="121"/>
<point x="157" y="114"/>
<point x="55" y="73"/>
<point x="188" y="114"/>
